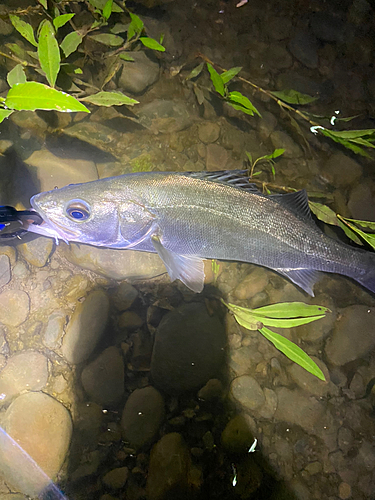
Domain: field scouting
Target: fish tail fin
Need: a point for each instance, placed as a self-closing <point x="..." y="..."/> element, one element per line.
<point x="368" y="278"/>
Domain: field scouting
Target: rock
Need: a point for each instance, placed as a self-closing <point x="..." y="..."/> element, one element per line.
<point x="309" y="382"/>
<point x="216" y="157"/>
<point x="43" y="428"/>
<point x="361" y="203"/>
<point x="14" y="307"/>
<point x="136" y="76"/>
<point x="116" y="264"/>
<point x="255" y="282"/>
<point x="208" y="132"/>
<point x="353" y="335"/>
<point x="5" y="30"/>
<point x="20" y="270"/>
<point x="116" y="478"/>
<point x="247" y="391"/>
<point x="280" y="139"/>
<point x="266" y="125"/>
<point x="327" y="27"/>
<point x="30" y="121"/>
<point x="278" y="27"/>
<point x="238" y="435"/>
<point x="24" y="371"/>
<point x="296" y="408"/>
<point x="10" y="252"/>
<point x="54" y="330"/>
<point x="342" y="170"/>
<point x="345" y="439"/>
<point x="168" y="474"/>
<point x="304" y="47"/>
<point x="4" y="270"/>
<point x="267" y="411"/>
<point x="36" y="252"/>
<point x="345" y="491"/>
<point x="321" y="328"/>
<point x="188" y="349"/>
<point x="211" y="391"/>
<point x="277" y="57"/>
<point x="244" y="359"/>
<point x="103" y="378"/>
<point x="142" y="416"/>
<point x="85" y="327"/>
<point x="48" y="170"/>
<point x="124" y="296"/>
<point x="166" y="116"/>
<point x="130" y="320"/>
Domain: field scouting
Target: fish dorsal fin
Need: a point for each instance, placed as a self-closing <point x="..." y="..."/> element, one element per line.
<point x="297" y="202"/>
<point x="233" y="178"/>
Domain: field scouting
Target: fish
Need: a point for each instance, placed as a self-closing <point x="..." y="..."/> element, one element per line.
<point x="191" y="216"/>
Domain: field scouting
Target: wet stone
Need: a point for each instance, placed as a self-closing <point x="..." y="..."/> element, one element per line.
<point x="103" y="378"/>
<point x="20" y="270"/>
<point x="130" y="320"/>
<point x="136" y="76"/>
<point x="188" y="349"/>
<point x="4" y="270"/>
<point x="247" y="391"/>
<point x="282" y="140"/>
<point x="304" y="47"/>
<point x="345" y="439"/>
<point x="170" y="463"/>
<point x="124" y="296"/>
<point x="216" y="157"/>
<point x="361" y="203"/>
<point x="353" y="335"/>
<point x="10" y="252"/>
<point x="24" y="371"/>
<point x="309" y="382"/>
<point x="238" y="435"/>
<point x="211" y="391"/>
<point x="42" y="427"/>
<point x="85" y="327"/>
<point x="36" y="252"/>
<point x="14" y="307"/>
<point x="166" y="116"/>
<point x="54" y="330"/>
<point x="252" y="284"/>
<point x="342" y="170"/>
<point x="116" y="478"/>
<point x="208" y="132"/>
<point x="142" y="416"/>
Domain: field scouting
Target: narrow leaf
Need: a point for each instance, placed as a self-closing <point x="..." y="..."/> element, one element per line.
<point x="349" y="233"/>
<point x="352" y="134"/>
<point x="226" y="76"/>
<point x="150" y="43"/>
<point x="49" y="53"/>
<point x="70" y="43"/>
<point x="43" y="3"/>
<point x="33" y="95"/>
<point x="17" y="50"/>
<point x="61" y="20"/>
<point x="195" y="72"/>
<point x="126" y="57"/>
<point x="369" y="238"/>
<point x="25" y="29"/>
<point x="108" y="39"/>
<point x="323" y="213"/>
<point x="110" y="99"/>
<point x="290" y="310"/>
<point x="291" y="96"/>
<point x="363" y="223"/>
<point x="238" y="98"/>
<point x="119" y="28"/>
<point x="216" y="80"/>
<point x="16" y="75"/>
<point x="4" y="113"/>
<point x="100" y="4"/>
<point x="249" y="157"/>
<point x="293" y="352"/>
<point x="107" y="11"/>
<point x="288" y="322"/>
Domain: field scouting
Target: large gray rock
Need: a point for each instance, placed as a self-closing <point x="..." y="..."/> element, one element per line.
<point x="342" y="170"/>
<point x="136" y="76"/>
<point x="166" y="116"/>
<point x="85" y="327"/>
<point x="247" y="391"/>
<point x="36" y="252"/>
<point x="142" y="416"/>
<point x="188" y="349"/>
<point x="14" y="307"/>
<point x="42" y="427"/>
<point x="103" y="378"/>
<point x="353" y="335"/>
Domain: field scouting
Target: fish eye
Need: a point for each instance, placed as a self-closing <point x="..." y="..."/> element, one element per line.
<point x="78" y="210"/>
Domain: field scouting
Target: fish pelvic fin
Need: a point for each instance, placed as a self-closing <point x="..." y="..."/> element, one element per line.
<point x="304" y="278"/>
<point x="187" y="268"/>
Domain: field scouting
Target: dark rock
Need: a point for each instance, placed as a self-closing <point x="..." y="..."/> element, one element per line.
<point x="304" y="47"/>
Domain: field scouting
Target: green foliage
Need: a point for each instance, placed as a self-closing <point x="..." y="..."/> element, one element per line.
<point x="282" y="315"/>
<point x="59" y="21"/>
<point x="266" y="158"/>
<point x="71" y="43"/>
<point x="150" y="43"/>
<point x="49" y="52"/>
<point x="351" y="139"/>
<point x="110" y="99"/>
<point x="16" y="75"/>
<point x="294" y="97"/>
<point x="25" y="29"/>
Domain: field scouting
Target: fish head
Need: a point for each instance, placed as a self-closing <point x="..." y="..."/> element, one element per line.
<point x="83" y="213"/>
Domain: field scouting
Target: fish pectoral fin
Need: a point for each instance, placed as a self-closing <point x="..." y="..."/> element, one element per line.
<point x="304" y="278"/>
<point x="187" y="268"/>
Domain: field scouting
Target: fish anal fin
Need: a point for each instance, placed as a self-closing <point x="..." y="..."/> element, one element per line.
<point x="187" y="268"/>
<point x="304" y="278"/>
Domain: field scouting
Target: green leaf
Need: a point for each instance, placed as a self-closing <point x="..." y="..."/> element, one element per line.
<point x="216" y="80"/>
<point x="349" y="233"/>
<point x="61" y="20"/>
<point x="290" y="310"/>
<point x="363" y="223"/>
<point x="249" y="157"/>
<point x="100" y="4"/>
<point x="150" y="43"/>
<point x="195" y="72"/>
<point x="33" y="95"/>
<point x="43" y="3"/>
<point x="344" y="142"/>
<point x="16" y="75"/>
<point x="49" y="53"/>
<point x="243" y="101"/>
<point x="135" y="27"/>
<point x="352" y="134"/>
<point x="323" y="213"/>
<point x="108" y="39"/>
<point x="126" y="57"/>
<point x="293" y="352"/>
<point x="17" y="50"/>
<point x="107" y="11"/>
<point x="226" y="76"/>
<point x="4" y="113"/>
<point x="161" y="39"/>
<point x="119" y="28"/>
<point x="369" y="238"/>
<point x="291" y="96"/>
<point x="25" y="29"/>
<point x="70" y="43"/>
<point x="110" y="99"/>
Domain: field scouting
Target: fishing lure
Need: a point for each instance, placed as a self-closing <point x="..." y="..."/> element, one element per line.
<point x="14" y="223"/>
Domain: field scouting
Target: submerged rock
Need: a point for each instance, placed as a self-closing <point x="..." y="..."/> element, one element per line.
<point x="139" y="74"/>
<point x="36" y="252"/>
<point x="14" y="307"/>
<point x="4" y="270"/>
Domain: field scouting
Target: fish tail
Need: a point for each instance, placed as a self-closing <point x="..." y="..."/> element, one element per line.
<point x="368" y="277"/>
